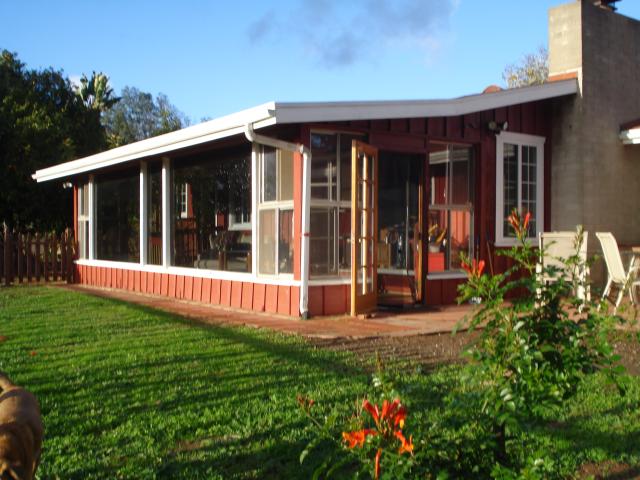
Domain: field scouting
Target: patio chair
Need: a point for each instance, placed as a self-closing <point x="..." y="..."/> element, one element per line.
<point x="615" y="268"/>
<point x="555" y="249"/>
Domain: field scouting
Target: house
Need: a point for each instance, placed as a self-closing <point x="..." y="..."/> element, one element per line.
<point x="329" y="208"/>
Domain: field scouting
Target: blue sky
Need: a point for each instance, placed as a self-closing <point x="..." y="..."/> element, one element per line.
<point x="216" y="57"/>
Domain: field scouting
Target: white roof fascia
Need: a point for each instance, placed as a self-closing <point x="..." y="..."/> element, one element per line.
<point x="260" y="116"/>
<point x="343" y="111"/>
<point x="281" y="113"/>
<point x="631" y="136"/>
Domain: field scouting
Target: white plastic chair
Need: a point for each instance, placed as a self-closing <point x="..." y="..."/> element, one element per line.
<point x="555" y="249"/>
<point x="615" y="268"/>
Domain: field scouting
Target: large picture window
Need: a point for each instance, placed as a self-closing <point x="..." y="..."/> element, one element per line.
<point x="275" y="207"/>
<point x="519" y="183"/>
<point x="208" y="189"/>
<point x="330" y="219"/>
<point x="118" y="217"/>
<point x="450" y="216"/>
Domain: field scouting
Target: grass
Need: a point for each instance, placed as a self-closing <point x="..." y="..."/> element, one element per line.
<point x="131" y="392"/>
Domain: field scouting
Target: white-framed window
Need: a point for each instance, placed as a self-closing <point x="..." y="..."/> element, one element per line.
<point x="275" y="212"/>
<point x="451" y="207"/>
<point x="83" y="221"/>
<point x="519" y="183"/>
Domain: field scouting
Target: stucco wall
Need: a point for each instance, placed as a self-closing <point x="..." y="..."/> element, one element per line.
<point x="595" y="179"/>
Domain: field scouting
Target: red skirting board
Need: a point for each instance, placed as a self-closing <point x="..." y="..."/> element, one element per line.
<point x="258" y="297"/>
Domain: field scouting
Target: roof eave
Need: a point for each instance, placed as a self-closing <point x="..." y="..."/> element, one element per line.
<point x="353" y="111"/>
<point x="260" y="116"/>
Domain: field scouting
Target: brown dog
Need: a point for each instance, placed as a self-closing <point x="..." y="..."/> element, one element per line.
<point x="20" y="432"/>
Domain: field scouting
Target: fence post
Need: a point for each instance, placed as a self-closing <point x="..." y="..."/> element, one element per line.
<point x="7" y="257"/>
<point x="36" y="258"/>
<point x="71" y="267"/>
<point x="20" y="259"/>
<point x="29" y="257"/>
<point x="54" y="257"/>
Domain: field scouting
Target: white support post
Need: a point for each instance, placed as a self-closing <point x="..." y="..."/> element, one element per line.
<point x="166" y="212"/>
<point x="92" y="217"/>
<point x="144" y="213"/>
<point x="254" y="207"/>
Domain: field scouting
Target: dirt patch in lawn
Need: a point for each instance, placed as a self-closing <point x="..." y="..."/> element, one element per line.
<point x="432" y="350"/>
<point x="608" y="471"/>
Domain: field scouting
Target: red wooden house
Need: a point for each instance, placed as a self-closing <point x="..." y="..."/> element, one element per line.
<point x="325" y="208"/>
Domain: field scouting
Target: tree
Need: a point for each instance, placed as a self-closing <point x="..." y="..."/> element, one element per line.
<point x="137" y="116"/>
<point x="42" y="123"/>
<point x="533" y="69"/>
<point x="95" y="92"/>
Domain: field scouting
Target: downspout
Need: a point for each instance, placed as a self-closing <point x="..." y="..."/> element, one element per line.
<point x="253" y="137"/>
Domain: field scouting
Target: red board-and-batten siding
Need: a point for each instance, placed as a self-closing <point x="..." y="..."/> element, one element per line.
<point x="405" y="135"/>
<point x="413" y="136"/>
<point x="259" y="297"/>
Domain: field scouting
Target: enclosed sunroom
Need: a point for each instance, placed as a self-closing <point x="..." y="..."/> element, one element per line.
<point x="316" y="208"/>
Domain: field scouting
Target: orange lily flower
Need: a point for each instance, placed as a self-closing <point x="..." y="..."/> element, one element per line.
<point x="372" y="409"/>
<point x="520" y="225"/>
<point x="405" y="445"/>
<point x="357" y="438"/>
<point x="474" y="269"/>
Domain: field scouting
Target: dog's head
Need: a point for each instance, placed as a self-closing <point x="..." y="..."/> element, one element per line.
<point x="9" y="471"/>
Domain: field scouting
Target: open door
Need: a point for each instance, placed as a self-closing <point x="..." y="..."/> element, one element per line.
<point x="364" y="228"/>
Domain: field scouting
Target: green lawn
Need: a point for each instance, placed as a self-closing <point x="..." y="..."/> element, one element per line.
<point x="131" y="392"/>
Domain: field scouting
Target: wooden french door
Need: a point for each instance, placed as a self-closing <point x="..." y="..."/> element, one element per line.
<point x="364" y="228"/>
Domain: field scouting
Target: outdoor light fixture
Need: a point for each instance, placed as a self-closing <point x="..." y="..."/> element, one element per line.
<point x="498" y="126"/>
<point x="66" y="185"/>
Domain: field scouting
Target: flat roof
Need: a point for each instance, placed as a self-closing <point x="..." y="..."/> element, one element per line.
<point x="273" y="113"/>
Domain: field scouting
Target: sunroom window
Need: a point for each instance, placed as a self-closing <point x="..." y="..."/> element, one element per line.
<point x="212" y="182"/>
<point x="330" y="219"/>
<point x="450" y="216"/>
<point x="118" y="217"/>
<point x="275" y="212"/>
<point x="154" y="218"/>
<point x="83" y="221"/>
<point x="519" y="183"/>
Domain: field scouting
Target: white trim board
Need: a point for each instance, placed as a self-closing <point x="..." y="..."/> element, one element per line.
<point x="191" y="272"/>
<point x="272" y="113"/>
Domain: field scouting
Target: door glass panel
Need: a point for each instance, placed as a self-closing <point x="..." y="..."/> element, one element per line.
<point x="399" y="177"/>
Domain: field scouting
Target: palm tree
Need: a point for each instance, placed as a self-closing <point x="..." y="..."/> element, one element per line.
<point x="96" y="93"/>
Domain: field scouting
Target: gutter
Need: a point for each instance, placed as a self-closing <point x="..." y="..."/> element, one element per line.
<point x="253" y="137"/>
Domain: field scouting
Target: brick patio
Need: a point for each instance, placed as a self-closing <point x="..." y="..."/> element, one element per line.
<point x="389" y="323"/>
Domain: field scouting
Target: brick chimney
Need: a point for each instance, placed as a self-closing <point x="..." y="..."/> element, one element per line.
<point x="595" y="178"/>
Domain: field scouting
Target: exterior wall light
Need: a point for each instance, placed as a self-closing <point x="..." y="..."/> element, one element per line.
<point x="498" y="126"/>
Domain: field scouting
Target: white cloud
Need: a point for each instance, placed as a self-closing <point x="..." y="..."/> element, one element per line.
<point x="338" y="33"/>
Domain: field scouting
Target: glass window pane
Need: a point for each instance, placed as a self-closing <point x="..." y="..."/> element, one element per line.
<point x="438" y="174"/>
<point x="118" y="218"/>
<point x="459" y="237"/>
<point x="154" y="221"/>
<point x="218" y="187"/>
<point x="346" y="143"/>
<point x="323" y="165"/>
<point x="460" y="175"/>
<point x="322" y="245"/>
<point x="510" y="185"/>
<point x="344" y="241"/>
<point x="269" y="174"/>
<point x="399" y="176"/>
<point x="285" y="242"/>
<point x="285" y="179"/>
<point x="267" y="249"/>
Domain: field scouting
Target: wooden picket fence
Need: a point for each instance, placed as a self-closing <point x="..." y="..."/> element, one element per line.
<point x="26" y="258"/>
